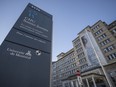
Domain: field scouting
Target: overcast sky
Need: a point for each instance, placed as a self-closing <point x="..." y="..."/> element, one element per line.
<point x="69" y="17"/>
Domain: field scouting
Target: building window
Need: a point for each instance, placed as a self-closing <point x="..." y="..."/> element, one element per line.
<point x="81" y="55"/>
<point x="82" y="61"/>
<point x="113" y="31"/>
<point x="111" y="56"/>
<point x="105" y="42"/>
<point x="109" y="48"/>
<point x="79" y="50"/>
<point x="98" y="32"/>
<point x="84" y="66"/>
<point x="105" y="50"/>
<point x="104" y="35"/>
<point x="101" y="37"/>
<point x="75" y="42"/>
<point x="96" y="27"/>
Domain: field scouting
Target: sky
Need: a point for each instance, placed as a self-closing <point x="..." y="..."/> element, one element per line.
<point x="69" y="18"/>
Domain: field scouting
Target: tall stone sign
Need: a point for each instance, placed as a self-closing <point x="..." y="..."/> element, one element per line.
<point x="25" y="54"/>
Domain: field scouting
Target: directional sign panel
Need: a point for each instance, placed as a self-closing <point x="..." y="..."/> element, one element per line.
<point x="23" y="67"/>
<point x="26" y="39"/>
<point x="35" y="21"/>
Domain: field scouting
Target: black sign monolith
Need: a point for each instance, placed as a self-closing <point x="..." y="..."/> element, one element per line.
<point x="25" y="54"/>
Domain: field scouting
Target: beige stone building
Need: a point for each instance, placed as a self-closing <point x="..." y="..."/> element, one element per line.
<point x="95" y="46"/>
<point x="105" y="37"/>
<point x="63" y="68"/>
<point x="94" y="54"/>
